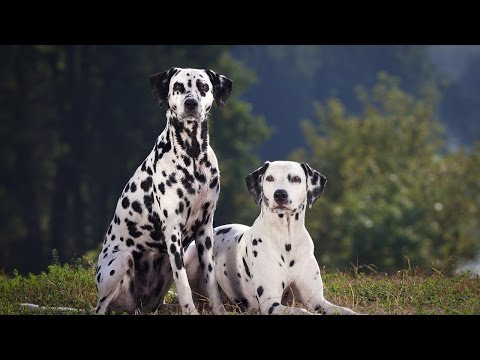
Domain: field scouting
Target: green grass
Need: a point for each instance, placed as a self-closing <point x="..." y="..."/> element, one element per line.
<point x="407" y="292"/>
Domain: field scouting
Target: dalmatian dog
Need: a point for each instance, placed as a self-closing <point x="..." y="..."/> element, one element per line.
<point x="167" y="204"/>
<point x="256" y="267"/>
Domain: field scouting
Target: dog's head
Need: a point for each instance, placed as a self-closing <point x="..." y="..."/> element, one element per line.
<point x="285" y="185"/>
<point x="189" y="93"/>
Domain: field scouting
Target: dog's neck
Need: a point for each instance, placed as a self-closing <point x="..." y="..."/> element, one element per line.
<point x="287" y="224"/>
<point x="188" y="136"/>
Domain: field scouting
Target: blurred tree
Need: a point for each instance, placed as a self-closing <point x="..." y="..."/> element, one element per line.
<point x="76" y="121"/>
<point x="461" y="104"/>
<point x="292" y="77"/>
<point x="393" y="192"/>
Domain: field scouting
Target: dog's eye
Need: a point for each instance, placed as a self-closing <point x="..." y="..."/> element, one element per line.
<point x="269" y="178"/>
<point x="296" y="179"/>
<point x="204" y="87"/>
<point x="177" y="87"/>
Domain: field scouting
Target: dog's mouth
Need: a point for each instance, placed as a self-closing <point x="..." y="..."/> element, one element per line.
<point x="280" y="209"/>
<point x="190" y="116"/>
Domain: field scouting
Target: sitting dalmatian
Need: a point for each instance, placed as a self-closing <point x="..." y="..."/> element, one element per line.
<point x="167" y="204"/>
<point x="257" y="266"/>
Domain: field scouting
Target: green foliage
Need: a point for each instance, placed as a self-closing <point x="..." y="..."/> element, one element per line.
<point x="393" y="192"/>
<point x="67" y="285"/>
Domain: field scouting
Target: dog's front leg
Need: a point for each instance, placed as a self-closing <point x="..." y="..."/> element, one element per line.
<point x="308" y="287"/>
<point x="204" y="242"/>
<point x="269" y="300"/>
<point x="175" y="254"/>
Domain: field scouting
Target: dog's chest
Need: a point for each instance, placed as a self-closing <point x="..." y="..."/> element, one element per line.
<point x="189" y="188"/>
<point x="277" y="251"/>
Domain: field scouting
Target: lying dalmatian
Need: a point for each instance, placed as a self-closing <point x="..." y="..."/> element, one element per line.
<point x="167" y="204"/>
<point x="257" y="266"/>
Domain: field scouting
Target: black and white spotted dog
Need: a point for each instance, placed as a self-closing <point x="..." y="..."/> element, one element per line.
<point x="257" y="266"/>
<point x="168" y="203"/>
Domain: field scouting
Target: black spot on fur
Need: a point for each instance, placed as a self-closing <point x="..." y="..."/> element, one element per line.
<point x="247" y="270"/>
<point x="210" y="267"/>
<point x="112" y="272"/>
<point x="280" y="216"/>
<point x="172" y="178"/>
<point x="132" y="229"/>
<point x="178" y="260"/>
<point x="125" y="202"/>
<point x="288" y="247"/>
<point x="223" y="231"/>
<point x="254" y="242"/>
<point x="255" y="253"/>
<point x="186" y="160"/>
<point x="157" y="233"/>
<point x="214" y="182"/>
<point x="208" y="242"/>
<point x="146" y="184"/>
<point x="137" y="207"/>
<point x="148" y="201"/>
<point x="200" y="249"/>
<point x="161" y="187"/>
<point x="274" y="305"/>
<point x="133" y="187"/>
<point x="260" y="291"/>
<point x="129" y="242"/>
<point x="292" y="263"/>
<point x="200" y="177"/>
<point x="296" y="216"/>
<point x="180" y="193"/>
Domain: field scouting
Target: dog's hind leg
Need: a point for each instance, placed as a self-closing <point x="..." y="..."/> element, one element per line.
<point x="116" y="283"/>
<point x="204" y="242"/>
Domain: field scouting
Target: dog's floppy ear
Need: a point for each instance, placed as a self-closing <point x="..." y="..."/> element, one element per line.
<point x="159" y="84"/>
<point x="222" y="87"/>
<point x="315" y="183"/>
<point x="254" y="182"/>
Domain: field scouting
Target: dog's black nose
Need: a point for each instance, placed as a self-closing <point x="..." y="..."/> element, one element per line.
<point x="280" y="196"/>
<point x="191" y="104"/>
